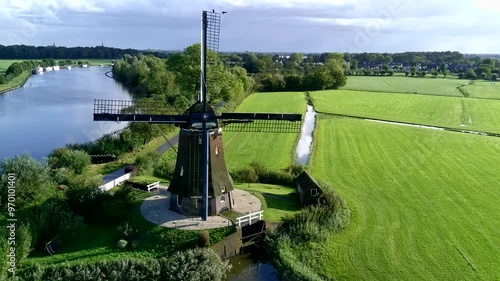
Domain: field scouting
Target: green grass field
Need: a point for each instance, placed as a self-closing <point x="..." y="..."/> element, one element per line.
<point x="483" y="89"/>
<point x="277" y="201"/>
<point x="425" y="203"/>
<point x="275" y="151"/>
<point x="398" y="84"/>
<point x="453" y="112"/>
<point x="429" y="110"/>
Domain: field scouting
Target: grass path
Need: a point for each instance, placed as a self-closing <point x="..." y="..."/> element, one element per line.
<point x="424" y="202"/>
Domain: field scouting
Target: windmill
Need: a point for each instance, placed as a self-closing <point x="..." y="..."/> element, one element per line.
<point x="201" y="184"/>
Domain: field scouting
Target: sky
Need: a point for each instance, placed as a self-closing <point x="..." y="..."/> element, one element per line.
<point x="303" y="26"/>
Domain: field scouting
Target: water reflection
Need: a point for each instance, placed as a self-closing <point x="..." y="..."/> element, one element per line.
<point x="247" y="267"/>
<point x="54" y="109"/>
<point x="303" y="149"/>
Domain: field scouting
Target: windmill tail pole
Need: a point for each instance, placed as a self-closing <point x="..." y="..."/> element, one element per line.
<point x="204" y="133"/>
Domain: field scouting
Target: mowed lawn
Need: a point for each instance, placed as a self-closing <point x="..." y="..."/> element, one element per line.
<point x="452" y="112"/>
<point x="412" y="85"/>
<point x="483" y="89"/>
<point x="425" y="203"/>
<point x="274" y="150"/>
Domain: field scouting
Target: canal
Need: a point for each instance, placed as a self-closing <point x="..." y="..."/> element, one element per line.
<point x="55" y="108"/>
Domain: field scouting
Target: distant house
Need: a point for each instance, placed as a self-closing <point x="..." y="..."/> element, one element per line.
<point x="308" y="190"/>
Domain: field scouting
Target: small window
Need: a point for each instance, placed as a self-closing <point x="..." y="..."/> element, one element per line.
<point x="216" y="150"/>
<point x="222" y="198"/>
<point x="314" y="192"/>
<point x="222" y="188"/>
<point x="182" y="171"/>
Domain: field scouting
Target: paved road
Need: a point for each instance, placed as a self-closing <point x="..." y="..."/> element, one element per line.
<point x="167" y="145"/>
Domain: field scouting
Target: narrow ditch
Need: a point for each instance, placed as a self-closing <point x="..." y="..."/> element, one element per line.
<point x="303" y="150"/>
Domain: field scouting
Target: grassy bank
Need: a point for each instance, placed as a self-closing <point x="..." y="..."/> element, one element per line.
<point x="15" y="83"/>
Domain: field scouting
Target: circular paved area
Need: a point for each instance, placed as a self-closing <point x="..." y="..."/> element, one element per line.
<point x="156" y="210"/>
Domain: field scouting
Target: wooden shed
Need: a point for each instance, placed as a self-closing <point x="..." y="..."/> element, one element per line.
<point x="308" y="190"/>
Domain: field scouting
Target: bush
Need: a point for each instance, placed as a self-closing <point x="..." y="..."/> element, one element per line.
<point x="76" y="160"/>
<point x="130" y="169"/>
<point x="312" y="225"/>
<point x="196" y="264"/>
<point x="70" y="226"/>
<point x="121" y="244"/>
<point x="259" y="173"/>
<point x="33" y="180"/>
<point x="145" y="163"/>
<point x="24" y="242"/>
<point x="2" y="79"/>
<point x="165" y="166"/>
<point x="203" y="239"/>
<point x="62" y="175"/>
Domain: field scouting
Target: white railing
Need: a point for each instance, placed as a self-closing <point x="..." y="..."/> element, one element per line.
<point x="107" y="186"/>
<point x="154" y="185"/>
<point x="248" y="218"/>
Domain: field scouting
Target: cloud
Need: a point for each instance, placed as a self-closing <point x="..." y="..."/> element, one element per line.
<point x="259" y="25"/>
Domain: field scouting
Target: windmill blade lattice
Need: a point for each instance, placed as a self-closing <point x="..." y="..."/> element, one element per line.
<point x="145" y="110"/>
<point x="261" y="122"/>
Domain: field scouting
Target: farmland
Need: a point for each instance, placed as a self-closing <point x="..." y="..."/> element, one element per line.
<point x="483" y="89"/>
<point x="423" y="202"/>
<point x="453" y="112"/>
<point x="275" y="151"/>
<point x="399" y="84"/>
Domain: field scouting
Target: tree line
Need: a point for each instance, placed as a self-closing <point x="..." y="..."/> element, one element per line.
<point x="97" y="52"/>
<point x="176" y="81"/>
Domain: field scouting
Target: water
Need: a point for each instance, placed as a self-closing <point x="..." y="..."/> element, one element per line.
<point x="303" y="150"/>
<point x="55" y="108"/>
<point x="247" y="267"/>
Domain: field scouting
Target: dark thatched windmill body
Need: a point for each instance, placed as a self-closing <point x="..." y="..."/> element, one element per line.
<point x="201" y="185"/>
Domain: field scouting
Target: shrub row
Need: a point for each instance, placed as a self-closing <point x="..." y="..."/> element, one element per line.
<point x="195" y="264"/>
<point x="257" y="172"/>
<point x="304" y="230"/>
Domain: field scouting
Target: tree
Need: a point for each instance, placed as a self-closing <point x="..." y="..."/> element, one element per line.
<point x="434" y="72"/>
<point x="385" y="67"/>
<point x="470" y="74"/>
<point x="296" y="57"/>
<point x="14" y="70"/>
<point x="442" y="67"/>
<point x="293" y="83"/>
<point x="354" y="64"/>
<point x="32" y="179"/>
<point x="76" y="160"/>
<point x="494" y="77"/>
<point x="445" y="72"/>
<point x="413" y="71"/>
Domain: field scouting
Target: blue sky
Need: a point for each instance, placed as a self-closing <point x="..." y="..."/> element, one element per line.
<point x="259" y="25"/>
